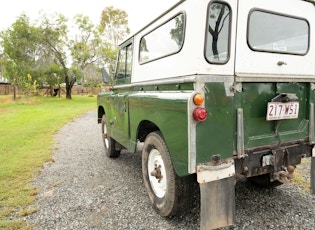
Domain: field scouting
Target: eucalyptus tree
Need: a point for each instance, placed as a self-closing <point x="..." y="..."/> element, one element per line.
<point x="20" y="51"/>
<point x="86" y="46"/>
<point x="114" y="27"/>
<point x="91" y="49"/>
<point x="47" y="51"/>
<point x="54" y="39"/>
<point x="26" y="56"/>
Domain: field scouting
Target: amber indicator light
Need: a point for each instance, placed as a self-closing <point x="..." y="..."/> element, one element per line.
<point x="198" y="99"/>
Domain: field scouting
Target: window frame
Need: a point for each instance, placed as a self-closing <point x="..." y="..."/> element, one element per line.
<point x="156" y="28"/>
<point x="229" y="37"/>
<point x="278" y="14"/>
<point x="124" y="47"/>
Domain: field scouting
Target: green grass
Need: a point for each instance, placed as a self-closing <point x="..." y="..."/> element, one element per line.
<point x="27" y="128"/>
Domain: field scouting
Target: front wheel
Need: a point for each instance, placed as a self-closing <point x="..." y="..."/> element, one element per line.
<point x="169" y="194"/>
<point x="109" y="143"/>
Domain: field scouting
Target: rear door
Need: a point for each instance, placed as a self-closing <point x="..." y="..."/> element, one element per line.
<point x="273" y="39"/>
<point x="274" y="64"/>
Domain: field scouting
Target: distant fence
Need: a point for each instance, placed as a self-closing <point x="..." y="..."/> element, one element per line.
<point x="7" y="89"/>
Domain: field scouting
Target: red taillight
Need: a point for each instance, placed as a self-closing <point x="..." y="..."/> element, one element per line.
<point x="200" y="114"/>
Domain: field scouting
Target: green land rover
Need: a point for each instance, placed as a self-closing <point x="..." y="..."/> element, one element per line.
<point x="211" y="90"/>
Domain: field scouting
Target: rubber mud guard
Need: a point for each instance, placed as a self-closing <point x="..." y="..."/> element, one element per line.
<point x="217" y="204"/>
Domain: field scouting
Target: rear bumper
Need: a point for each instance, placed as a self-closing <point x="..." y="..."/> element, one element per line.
<point x="272" y="159"/>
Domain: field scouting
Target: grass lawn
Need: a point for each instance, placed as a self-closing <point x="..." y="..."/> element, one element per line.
<point x="27" y="128"/>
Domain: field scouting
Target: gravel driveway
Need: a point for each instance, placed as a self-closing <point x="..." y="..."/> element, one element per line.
<point x="83" y="189"/>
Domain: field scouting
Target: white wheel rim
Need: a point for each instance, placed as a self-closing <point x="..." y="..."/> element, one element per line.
<point x="105" y="136"/>
<point x="158" y="185"/>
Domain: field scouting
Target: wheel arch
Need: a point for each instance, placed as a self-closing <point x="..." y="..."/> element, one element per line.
<point x="100" y="113"/>
<point x="145" y="127"/>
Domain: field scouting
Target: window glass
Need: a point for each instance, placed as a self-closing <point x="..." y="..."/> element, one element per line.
<point x="128" y="60"/>
<point x="277" y="33"/>
<point x="218" y="33"/>
<point x="124" y="65"/>
<point x="121" y="66"/>
<point x="164" y="40"/>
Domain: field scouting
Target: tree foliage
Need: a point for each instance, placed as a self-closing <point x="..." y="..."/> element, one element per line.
<point x="89" y="48"/>
<point x="51" y="53"/>
<point x="54" y="38"/>
<point x="20" y="51"/>
<point x="114" y="24"/>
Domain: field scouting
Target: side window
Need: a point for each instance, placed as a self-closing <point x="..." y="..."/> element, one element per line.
<point x="218" y="33"/>
<point x="124" y="65"/>
<point x="163" y="41"/>
<point x="121" y="66"/>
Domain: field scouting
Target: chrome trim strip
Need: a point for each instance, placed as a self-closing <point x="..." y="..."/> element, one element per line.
<point x="311" y="125"/>
<point x="240" y="134"/>
<point x="191" y="137"/>
<point x="274" y="78"/>
<point x="192" y="124"/>
<point x="178" y="80"/>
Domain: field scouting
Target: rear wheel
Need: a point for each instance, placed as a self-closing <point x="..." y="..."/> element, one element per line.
<point x="109" y="143"/>
<point x="169" y="194"/>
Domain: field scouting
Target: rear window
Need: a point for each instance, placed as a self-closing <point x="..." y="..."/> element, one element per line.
<point x="218" y="33"/>
<point x="270" y="32"/>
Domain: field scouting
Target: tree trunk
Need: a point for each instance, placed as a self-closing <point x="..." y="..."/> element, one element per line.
<point x="51" y="91"/>
<point x="69" y="83"/>
<point x="14" y="92"/>
<point x="68" y="92"/>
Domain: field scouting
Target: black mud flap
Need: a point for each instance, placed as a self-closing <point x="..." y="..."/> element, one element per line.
<point x="217" y="202"/>
<point x="313" y="175"/>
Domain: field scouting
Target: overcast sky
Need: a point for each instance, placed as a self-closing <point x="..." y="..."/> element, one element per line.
<point x="139" y="12"/>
